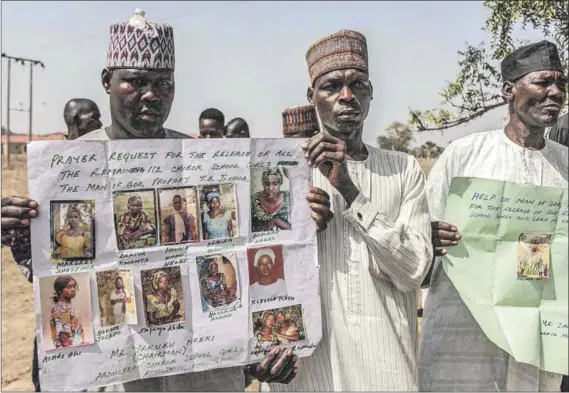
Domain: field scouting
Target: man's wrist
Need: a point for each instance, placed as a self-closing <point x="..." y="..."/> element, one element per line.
<point x="349" y="192"/>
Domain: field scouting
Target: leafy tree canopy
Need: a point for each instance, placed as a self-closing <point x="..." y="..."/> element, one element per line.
<point x="477" y="87"/>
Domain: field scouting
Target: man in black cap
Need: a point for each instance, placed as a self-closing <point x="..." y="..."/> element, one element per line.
<point x="455" y="353"/>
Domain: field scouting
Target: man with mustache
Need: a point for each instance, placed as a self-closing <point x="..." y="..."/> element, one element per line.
<point x="377" y="248"/>
<point x="140" y="84"/>
<point x="455" y="354"/>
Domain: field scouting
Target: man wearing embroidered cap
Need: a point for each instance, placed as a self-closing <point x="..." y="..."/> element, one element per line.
<point x="300" y="122"/>
<point x="139" y="79"/>
<point x="455" y="354"/>
<point x="377" y="248"/>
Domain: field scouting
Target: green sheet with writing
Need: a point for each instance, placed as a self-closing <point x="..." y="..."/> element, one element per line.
<point x="510" y="267"/>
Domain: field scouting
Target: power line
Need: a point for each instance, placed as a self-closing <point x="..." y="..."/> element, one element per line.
<point x="22" y="61"/>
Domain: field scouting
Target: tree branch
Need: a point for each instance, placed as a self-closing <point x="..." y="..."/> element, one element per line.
<point x="457" y="122"/>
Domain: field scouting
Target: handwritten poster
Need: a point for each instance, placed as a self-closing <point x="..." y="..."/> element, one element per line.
<point x="510" y="267"/>
<point x="154" y="258"/>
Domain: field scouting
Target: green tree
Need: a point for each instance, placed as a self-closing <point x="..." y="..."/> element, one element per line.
<point x="429" y="150"/>
<point x="477" y="87"/>
<point x="398" y="138"/>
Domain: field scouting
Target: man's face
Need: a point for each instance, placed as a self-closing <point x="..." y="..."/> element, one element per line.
<point x="342" y="99"/>
<point x="140" y="99"/>
<point x="537" y="98"/>
<point x="119" y="284"/>
<point x="210" y="128"/>
<point x="265" y="266"/>
<point x="177" y="202"/>
<point x="88" y="119"/>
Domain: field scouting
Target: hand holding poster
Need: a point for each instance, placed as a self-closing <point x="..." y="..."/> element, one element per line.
<point x="168" y="257"/>
<point x="510" y="267"/>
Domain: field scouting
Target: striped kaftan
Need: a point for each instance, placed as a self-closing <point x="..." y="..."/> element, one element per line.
<point x="372" y="258"/>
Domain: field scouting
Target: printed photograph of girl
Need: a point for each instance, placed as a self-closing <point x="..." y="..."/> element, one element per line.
<point x="279" y="326"/>
<point x="116" y="298"/>
<point x="135" y="219"/>
<point x="533" y="255"/>
<point x="178" y="215"/>
<point x="66" y="311"/>
<point x="270" y="199"/>
<point x="219" y="281"/>
<point x="72" y="230"/>
<point x="163" y="295"/>
<point x="218" y="204"/>
<point x="266" y="272"/>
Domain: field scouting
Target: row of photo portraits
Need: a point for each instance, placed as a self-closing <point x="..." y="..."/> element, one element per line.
<point x="169" y="216"/>
<point x="67" y="317"/>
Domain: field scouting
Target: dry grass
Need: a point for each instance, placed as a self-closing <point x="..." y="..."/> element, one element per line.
<point x="18" y="322"/>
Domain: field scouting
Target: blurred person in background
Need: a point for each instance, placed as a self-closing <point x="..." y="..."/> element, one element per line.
<point x="81" y="116"/>
<point x="237" y="128"/>
<point x="300" y="122"/>
<point x="558" y="132"/>
<point x="212" y="124"/>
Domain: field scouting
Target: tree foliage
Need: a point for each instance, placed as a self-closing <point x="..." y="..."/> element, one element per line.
<point x="477" y="87"/>
<point x="399" y="137"/>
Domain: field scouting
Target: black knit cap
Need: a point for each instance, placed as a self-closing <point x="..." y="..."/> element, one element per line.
<point x="539" y="56"/>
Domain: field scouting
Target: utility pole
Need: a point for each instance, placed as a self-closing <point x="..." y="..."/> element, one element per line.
<point x="7" y="144"/>
<point x="23" y="61"/>
<point x="31" y="102"/>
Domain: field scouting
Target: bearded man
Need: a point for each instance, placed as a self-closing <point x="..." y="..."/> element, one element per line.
<point x="456" y="355"/>
<point x="377" y="247"/>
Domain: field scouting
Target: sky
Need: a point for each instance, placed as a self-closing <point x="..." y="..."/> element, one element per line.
<point x="245" y="58"/>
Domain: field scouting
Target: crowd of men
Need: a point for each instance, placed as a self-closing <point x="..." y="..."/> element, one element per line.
<point x="379" y="222"/>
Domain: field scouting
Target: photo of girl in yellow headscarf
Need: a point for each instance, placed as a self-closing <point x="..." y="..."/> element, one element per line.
<point x="163" y="295"/>
<point x="72" y="230"/>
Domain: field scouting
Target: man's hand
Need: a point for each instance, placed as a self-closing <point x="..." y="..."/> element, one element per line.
<point x="17" y="212"/>
<point x="443" y="235"/>
<point x="328" y="154"/>
<point x="275" y="368"/>
<point x="319" y="201"/>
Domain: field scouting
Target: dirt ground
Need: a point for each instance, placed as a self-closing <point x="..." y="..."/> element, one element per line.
<point x="18" y="323"/>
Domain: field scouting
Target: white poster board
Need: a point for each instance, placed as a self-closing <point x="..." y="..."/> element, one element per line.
<point x="206" y="280"/>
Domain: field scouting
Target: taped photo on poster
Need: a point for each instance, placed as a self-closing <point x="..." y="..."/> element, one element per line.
<point x="147" y="259"/>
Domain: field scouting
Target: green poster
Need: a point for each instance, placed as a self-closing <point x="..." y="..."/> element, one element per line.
<point x="510" y="267"/>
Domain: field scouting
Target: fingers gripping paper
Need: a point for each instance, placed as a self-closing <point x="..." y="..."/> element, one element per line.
<point x="510" y="267"/>
<point x="154" y="258"/>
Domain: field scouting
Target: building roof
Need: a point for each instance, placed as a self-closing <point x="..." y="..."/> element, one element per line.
<point x="21" y="138"/>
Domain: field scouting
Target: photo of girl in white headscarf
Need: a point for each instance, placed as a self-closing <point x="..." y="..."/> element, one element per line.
<point x="266" y="273"/>
<point x="218" y="211"/>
